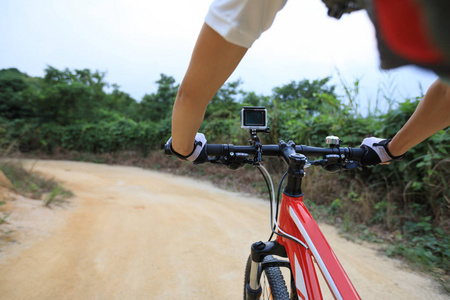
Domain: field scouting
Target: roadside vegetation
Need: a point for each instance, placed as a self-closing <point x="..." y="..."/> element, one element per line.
<point x="76" y="114"/>
<point x="32" y="185"/>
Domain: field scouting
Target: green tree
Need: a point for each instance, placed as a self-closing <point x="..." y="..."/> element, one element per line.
<point x="121" y="103"/>
<point x="226" y="103"/>
<point x="313" y="96"/>
<point x="70" y="96"/>
<point x="158" y="106"/>
<point x="14" y="101"/>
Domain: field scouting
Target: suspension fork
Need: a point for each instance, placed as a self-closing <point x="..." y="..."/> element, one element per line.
<point x="259" y="251"/>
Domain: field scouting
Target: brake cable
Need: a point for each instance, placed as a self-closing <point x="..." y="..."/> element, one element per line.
<point x="273" y="220"/>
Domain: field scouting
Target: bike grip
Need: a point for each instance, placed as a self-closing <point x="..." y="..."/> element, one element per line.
<point x="211" y="149"/>
<point x="357" y="153"/>
<point x="167" y="150"/>
<point x="215" y="149"/>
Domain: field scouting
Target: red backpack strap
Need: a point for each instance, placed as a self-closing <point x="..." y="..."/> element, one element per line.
<point x="403" y="28"/>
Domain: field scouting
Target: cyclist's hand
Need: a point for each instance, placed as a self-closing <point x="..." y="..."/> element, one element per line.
<point x="198" y="154"/>
<point x="377" y="152"/>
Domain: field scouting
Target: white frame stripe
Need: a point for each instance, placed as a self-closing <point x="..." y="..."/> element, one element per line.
<point x="314" y="251"/>
<point x="299" y="280"/>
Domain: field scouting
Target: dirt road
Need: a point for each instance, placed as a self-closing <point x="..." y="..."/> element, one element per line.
<point x="136" y="234"/>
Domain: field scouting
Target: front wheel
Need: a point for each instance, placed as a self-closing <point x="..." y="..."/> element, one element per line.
<point x="272" y="282"/>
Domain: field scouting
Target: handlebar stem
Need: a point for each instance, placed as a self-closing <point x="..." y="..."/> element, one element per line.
<point x="295" y="171"/>
<point x="286" y="149"/>
<point x="295" y="174"/>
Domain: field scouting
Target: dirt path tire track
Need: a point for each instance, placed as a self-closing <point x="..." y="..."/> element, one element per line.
<point x="138" y="234"/>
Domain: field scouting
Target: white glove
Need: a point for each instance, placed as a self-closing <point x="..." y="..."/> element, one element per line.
<point x="377" y="151"/>
<point x="198" y="154"/>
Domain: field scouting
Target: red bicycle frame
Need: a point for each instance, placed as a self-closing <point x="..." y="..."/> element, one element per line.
<point x="295" y="219"/>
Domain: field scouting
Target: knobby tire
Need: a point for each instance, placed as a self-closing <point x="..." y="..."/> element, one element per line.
<point x="272" y="282"/>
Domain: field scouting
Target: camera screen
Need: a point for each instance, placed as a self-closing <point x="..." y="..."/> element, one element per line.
<point x="254" y="118"/>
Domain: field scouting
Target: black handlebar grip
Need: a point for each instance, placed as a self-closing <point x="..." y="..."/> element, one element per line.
<point x="216" y="149"/>
<point x="167" y="150"/>
<point x="357" y="153"/>
<point x="211" y="149"/>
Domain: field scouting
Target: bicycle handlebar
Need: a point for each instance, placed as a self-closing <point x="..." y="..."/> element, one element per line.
<point x="275" y="150"/>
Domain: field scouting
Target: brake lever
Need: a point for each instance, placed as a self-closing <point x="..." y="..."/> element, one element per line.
<point x="215" y="160"/>
<point x="352" y="164"/>
<point x="233" y="161"/>
<point x="334" y="166"/>
<point x="320" y="162"/>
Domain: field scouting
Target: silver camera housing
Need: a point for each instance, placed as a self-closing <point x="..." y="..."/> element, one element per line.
<point x="254" y="117"/>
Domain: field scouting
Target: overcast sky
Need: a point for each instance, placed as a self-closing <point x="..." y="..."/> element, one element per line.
<point x="134" y="41"/>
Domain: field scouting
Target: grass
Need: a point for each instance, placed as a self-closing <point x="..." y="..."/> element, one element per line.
<point x="3" y="215"/>
<point x="32" y="185"/>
